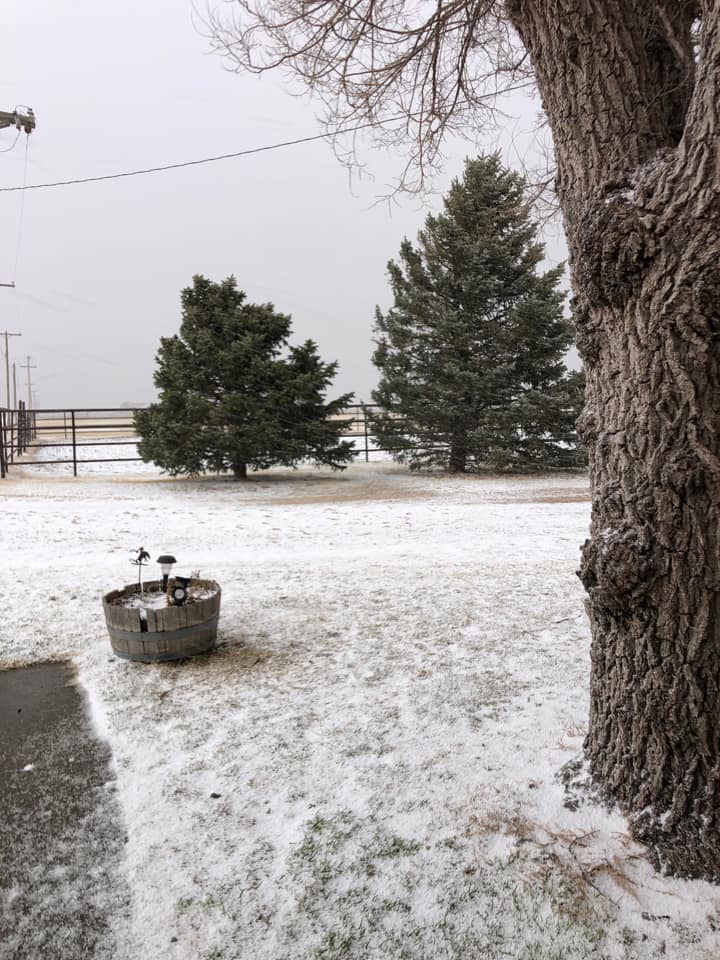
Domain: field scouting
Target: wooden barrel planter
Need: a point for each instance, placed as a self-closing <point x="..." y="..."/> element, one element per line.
<point x="166" y="633"/>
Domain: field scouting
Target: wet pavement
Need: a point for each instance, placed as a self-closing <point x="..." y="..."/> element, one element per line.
<point x="61" y="831"/>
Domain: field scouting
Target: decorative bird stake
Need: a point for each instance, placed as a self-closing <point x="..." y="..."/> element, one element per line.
<point x="141" y="560"/>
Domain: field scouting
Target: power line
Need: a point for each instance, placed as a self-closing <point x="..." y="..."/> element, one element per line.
<point x="12" y="146"/>
<point x="195" y="163"/>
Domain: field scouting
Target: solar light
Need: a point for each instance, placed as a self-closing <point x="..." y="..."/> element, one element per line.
<point x="166" y="562"/>
<point x="180" y="590"/>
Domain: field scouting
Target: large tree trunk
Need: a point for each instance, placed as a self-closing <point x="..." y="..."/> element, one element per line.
<point x="239" y="471"/>
<point x="636" y="135"/>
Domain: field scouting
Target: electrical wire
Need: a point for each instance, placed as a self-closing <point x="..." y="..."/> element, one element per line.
<point x="22" y="210"/>
<point x="195" y="163"/>
<point x="12" y="146"/>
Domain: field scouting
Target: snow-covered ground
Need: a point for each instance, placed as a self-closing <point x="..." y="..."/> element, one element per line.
<point x="365" y="768"/>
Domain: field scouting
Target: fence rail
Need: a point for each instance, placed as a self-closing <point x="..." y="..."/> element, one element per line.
<point x="38" y="438"/>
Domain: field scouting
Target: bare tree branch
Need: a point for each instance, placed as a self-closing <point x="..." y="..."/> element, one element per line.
<point x="440" y="65"/>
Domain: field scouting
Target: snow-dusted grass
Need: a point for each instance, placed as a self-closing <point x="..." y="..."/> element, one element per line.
<point x="55" y="459"/>
<point x="366" y="766"/>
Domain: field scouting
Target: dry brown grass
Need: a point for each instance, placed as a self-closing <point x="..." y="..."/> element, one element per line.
<point x="547" y="496"/>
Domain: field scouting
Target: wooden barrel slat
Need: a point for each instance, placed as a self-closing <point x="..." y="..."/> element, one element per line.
<point x="196" y="613"/>
<point x="135" y="647"/>
<point x="124" y="619"/>
<point x="132" y="619"/>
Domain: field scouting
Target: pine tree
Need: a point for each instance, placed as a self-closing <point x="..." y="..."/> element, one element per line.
<point x="234" y="395"/>
<point x="471" y="352"/>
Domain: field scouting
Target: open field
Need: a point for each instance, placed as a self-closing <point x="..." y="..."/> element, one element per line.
<point x="366" y="767"/>
<point x="119" y="423"/>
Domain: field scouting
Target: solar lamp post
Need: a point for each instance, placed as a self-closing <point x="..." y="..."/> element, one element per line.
<point x="166" y="562"/>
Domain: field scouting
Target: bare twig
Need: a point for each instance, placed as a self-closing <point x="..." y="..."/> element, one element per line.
<point x="441" y="66"/>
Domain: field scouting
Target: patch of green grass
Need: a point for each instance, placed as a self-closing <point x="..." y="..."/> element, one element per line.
<point x="392" y="845"/>
<point x="365" y="895"/>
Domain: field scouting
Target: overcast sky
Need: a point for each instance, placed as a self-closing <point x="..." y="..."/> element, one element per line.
<point x="123" y="86"/>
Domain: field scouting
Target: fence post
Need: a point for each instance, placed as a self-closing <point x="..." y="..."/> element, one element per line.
<point x="3" y="424"/>
<point x="367" y="438"/>
<point x="74" y="444"/>
<point x="21" y="429"/>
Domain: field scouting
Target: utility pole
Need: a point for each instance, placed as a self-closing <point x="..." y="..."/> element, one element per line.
<point x="29" y="366"/>
<point x="6" y="334"/>
<point x="22" y="118"/>
<point x="15" y="406"/>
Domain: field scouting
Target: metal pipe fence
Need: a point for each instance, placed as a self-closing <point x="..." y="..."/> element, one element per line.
<point x="18" y="430"/>
<point x="39" y="438"/>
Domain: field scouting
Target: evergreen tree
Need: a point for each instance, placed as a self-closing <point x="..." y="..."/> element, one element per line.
<point x="470" y="354"/>
<point x="234" y="395"/>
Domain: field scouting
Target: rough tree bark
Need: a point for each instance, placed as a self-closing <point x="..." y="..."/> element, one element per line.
<point x="635" y="118"/>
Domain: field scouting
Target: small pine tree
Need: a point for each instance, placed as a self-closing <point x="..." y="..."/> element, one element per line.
<point x="471" y="353"/>
<point x="234" y="395"/>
